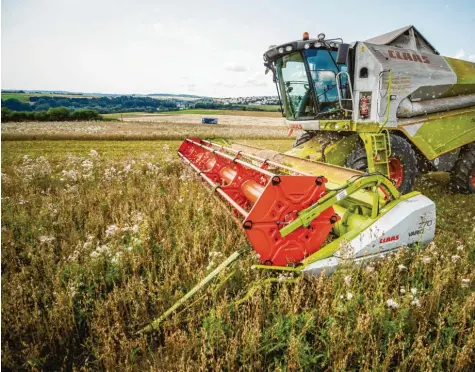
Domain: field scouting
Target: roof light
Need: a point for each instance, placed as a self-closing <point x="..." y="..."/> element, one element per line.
<point x="318" y="45"/>
<point x="305" y="36"/>
<point x="332" y="44"/>
<point x="288" y="48"/>
<point x="306" y="46"/>
<point x="281" y="50"/>
<point x="321" y="36"/>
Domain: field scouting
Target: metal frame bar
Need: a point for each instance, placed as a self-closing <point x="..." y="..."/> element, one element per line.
<point x="215" y="187"/>
<point x="234" y="160"/>
<point x="257" y="158"/>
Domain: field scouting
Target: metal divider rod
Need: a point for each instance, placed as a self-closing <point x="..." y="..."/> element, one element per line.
<point x="215" y="187"/>
<point x="229" y="157"/>
<point x="262" y="160"/>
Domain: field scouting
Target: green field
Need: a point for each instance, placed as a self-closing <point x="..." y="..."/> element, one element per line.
<point x="100" y="237"/>
<point x="270" y="114"/>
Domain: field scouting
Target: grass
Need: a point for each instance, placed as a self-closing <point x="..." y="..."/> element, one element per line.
<point x="226" y="112"/>
<point x="95" y="244"/>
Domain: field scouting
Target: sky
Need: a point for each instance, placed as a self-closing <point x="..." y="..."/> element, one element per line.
<point x="210" y="48"/>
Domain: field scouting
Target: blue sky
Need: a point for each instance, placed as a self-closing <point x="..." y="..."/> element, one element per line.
<point x="204" y="47"/>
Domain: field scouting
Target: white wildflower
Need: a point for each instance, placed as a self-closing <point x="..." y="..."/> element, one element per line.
<point x="349" y="295"/>
<point x="465" y="283"/>
<point x="455" y="258"/>
<point x="128" y="168"/>
<point x="401" y="267"/>
<point x="392" y="304"/>
<point x="402" y="290"/>
<point x="416" y="302"/>
<point x="94" y="153"/>
<point x="46" y="239"/>
<point x="370" y="269"/>
<point x="460" y="247"/>
<point x="426" y="259"/>
<point x="112" y="229"/>
<point x="432" y="246"/>
<point x="87" y="164"/>
<point x="165" y="147"/>
<point x="347" y="279"/>
<point x="414" y="291"/>
<point x="116" y="257"/>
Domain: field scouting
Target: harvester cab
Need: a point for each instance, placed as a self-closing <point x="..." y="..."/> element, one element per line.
<point x="390" y="104"/>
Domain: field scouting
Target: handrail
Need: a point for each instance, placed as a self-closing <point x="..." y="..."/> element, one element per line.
<point x="388" y="100"/>
<point x="339" y="91"/>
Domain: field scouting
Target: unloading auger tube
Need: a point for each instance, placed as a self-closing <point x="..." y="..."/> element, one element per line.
<point x="289" y="214"/>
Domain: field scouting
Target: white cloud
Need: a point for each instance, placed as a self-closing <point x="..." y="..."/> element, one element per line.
<point x="462" y="55"/>
<point x="219" y="83"/>
<point x="235" y="67"/>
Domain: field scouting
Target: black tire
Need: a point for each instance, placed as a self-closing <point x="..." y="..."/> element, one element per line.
<point x="463" y="172"/>
<point x="304" y="137"/>
<point x="401" y="151"/>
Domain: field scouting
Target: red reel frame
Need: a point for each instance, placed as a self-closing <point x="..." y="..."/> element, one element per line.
<point x="266" y="201"/>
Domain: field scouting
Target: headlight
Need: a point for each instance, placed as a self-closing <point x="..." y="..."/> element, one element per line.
<point x="281" y="50"/>
<point x="288" y="48"/>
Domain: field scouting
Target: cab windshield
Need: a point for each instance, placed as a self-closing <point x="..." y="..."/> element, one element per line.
<point x="307" y="83"/>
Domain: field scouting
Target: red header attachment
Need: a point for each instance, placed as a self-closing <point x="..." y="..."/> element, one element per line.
<point x="266" y="201"/>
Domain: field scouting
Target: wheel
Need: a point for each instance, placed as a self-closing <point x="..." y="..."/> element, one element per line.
<point x="304" y="137"/>
<point x="462" y="175"/>
<point x="402" y="163"/>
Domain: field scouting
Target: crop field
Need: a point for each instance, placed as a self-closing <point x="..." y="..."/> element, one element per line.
<point x="136" y="115"/>
<point x="147" y="128"/>
<point x="100" y="237"/>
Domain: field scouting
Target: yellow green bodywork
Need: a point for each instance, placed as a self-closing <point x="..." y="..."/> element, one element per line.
<point x="433" y="134"/>
<point x="465" y="72"/>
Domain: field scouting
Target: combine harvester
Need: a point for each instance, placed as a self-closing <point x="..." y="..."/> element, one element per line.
<point x="390" y="104"/>
<point x="309" y="216"/>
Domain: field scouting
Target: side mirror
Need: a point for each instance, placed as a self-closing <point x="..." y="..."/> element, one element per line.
<point x="342" y="55"/>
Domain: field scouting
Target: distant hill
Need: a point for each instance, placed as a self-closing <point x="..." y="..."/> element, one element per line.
<point x="69" y="93"/>
<point x="175" y="95"/>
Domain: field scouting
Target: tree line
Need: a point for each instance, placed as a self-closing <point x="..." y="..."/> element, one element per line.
<point x="103" y="105"/>
<point x="52" y="114"/>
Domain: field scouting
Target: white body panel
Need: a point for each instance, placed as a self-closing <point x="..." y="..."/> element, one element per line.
<point x="411" y="221"/>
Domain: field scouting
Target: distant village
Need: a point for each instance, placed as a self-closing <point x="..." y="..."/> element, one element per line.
<point x="256" y="101"/>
